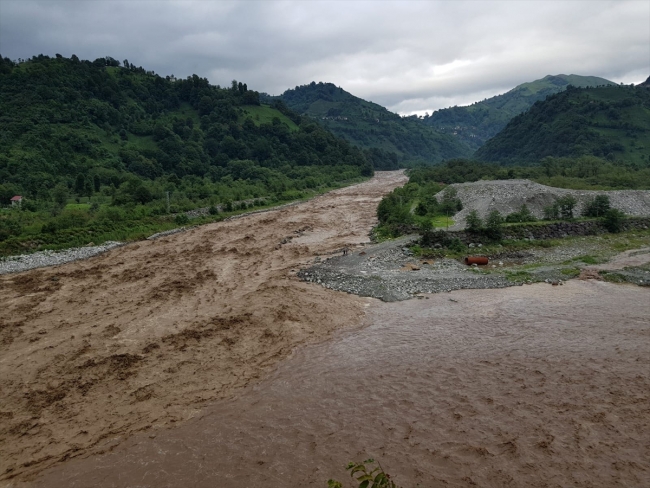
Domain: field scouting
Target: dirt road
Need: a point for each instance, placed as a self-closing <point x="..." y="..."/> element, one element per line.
<point x="141" y="337"/>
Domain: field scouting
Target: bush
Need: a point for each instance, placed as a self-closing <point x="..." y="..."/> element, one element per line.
<point x="494" y="225"/>
<point x="181" y="219"/>
<point x="552" y="212"/>
<point x="524" y="215"/>
<point x="473" y="222"/>
<point x="566" y="205"/>
<point x="597" y="207"/>
<point x="613" y="220"/>
<point x="213" y="210"/>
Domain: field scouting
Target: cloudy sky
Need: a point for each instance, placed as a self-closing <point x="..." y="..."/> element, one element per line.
<point x="412" y="57"/>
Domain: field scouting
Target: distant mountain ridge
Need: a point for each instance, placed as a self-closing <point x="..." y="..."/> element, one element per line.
<point x="473" y="125"/>
<point x="387" y="138"/>
<point x="609" y="122"/>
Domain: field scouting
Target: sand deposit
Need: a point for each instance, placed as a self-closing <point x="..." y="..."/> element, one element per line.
<point x="141" y="337"/>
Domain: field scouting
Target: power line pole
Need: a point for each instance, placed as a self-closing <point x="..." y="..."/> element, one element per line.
<point x="167" y="202"/>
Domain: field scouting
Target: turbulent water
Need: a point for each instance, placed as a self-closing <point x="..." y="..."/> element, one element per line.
<point x="529" y="386"/>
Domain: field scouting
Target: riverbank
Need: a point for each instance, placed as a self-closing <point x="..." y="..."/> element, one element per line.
<point x="399" y="270"/>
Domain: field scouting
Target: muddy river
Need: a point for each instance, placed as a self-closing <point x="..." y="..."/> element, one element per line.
<point x="528" y="386"/>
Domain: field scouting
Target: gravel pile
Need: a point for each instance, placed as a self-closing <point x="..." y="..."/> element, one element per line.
<point x="507" y="196"/>
<point x="24" y="262"/>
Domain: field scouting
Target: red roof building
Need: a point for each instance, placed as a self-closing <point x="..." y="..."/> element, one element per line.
<point x="17" y="200"/>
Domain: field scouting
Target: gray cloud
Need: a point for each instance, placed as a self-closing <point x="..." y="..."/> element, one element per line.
<point x="409" y="56"/>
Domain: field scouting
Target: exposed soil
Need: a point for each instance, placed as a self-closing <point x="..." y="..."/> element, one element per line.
<point x="141" y="337"/>
<point x="535" y="386"/>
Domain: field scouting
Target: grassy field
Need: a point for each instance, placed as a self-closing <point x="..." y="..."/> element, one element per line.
<point x="264" y="114"/>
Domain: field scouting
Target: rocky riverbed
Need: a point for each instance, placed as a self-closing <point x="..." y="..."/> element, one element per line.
<point x="391" y="272"/>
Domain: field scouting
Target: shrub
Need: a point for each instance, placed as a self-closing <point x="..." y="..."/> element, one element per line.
<point x="566" y="205"/>
<point x="596" y="207"/>
<point x="494" y="225"/>
<point x="613" y="220"/>
<point x="473" y="222"/>
<point x="524" y="215"/>
<point x="552" y="212"/>
<point x="181" y="219"/>
<point x="213" y="210"/>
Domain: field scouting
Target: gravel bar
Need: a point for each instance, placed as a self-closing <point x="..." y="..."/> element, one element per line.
<point x="24" y="262"/>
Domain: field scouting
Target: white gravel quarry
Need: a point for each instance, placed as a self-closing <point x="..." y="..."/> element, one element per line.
<point x="507" y="196"/>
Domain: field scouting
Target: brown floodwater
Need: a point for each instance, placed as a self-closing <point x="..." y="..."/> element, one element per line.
<point x="528" y="386"/>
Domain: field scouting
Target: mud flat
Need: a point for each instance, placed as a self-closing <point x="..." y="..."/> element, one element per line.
<point x="525" y="386"/>
<point x="141" y="337"/>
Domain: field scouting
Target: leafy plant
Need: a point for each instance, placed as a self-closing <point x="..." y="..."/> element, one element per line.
<point x="613" y="220"/>
<point x="365" y="476"/>
<point x="524" y="215"/>
<point x="597" y="206"/>
<point x="473" y="222"/>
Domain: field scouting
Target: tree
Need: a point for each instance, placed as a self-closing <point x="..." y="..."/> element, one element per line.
<point x="613" y="220"/>
<point x="60" y="194"/>
<point x="494" y="225"/>
<point x="552" y="212"/>
<point x="473" y="222"/>
<point x="566" y="205"/>
<point x="450" y="203"/>
<point x="597" y="207"/>
<point x="524" y="215"/>
<point x="79" y="184"/>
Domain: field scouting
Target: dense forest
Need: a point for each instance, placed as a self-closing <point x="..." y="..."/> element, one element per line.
<point x="474" y="124"/>
<point x="610" y="122"/>
<point x="388" y="140"/>
<point x="77" y="136"/>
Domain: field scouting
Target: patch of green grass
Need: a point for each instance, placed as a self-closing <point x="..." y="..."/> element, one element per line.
<point x="570" y="272"/>
<point x="518" y="276"/>
<point x="263" y="114"/>
<point x="587" y="259"/>
<point x="442" y="222"/>
<point x="613" y="277"/>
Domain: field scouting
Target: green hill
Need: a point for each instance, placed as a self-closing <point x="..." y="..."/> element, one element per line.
<point x="387" y="138"/>
<point x="611" y="122"/>
<point x="106" y="134"/>
<point x="476" y="123"/>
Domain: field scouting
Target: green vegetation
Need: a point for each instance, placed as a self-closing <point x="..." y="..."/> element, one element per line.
<point x="474" y="124"/>
<point x="582" y="173"/>
<point x="415" y="206"/>
<point x="389" y="141"/>
<point x="612" y="123"/>
<point x="115" y="140"/>
<point x="366" y="476"/>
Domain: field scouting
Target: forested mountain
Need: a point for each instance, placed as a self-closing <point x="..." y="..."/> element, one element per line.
<point x="611" y="122"/>
<point x="111" y="128"/>
<point x="387" y="138"/>
<point x="476" y="123"/>
<point x="107" y="151"/>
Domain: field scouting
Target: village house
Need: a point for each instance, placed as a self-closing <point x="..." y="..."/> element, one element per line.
<point x="16" y="201"/>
